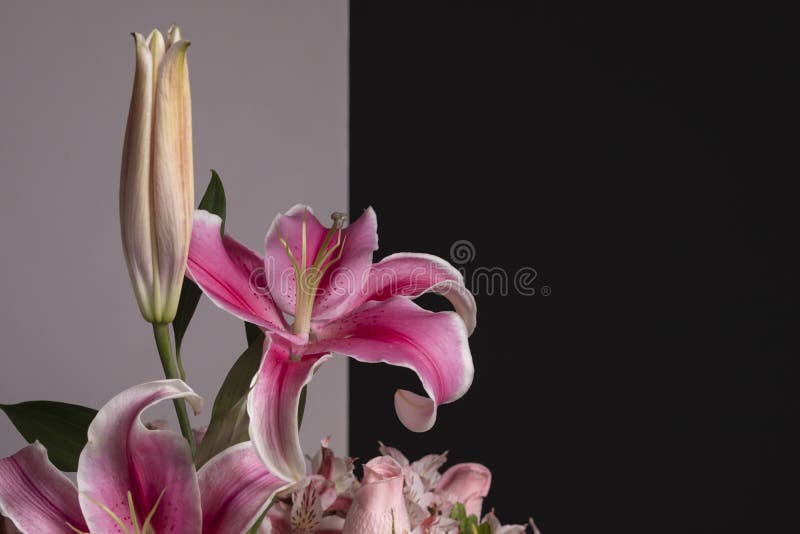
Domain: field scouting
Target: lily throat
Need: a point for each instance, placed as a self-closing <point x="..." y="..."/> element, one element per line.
<point x="308" y="272"/>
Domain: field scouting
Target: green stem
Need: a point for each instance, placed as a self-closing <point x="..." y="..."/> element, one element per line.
<point x="161" y="333"/>
<point x="180" y="363"/>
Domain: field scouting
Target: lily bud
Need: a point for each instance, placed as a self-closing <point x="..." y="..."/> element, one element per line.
<point x="157" y="177"/>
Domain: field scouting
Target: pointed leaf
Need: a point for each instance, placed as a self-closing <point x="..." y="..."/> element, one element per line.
<point x="301" y="409"/>
<point x="59" y="426"/>
<point x="229" y="420"/>
<point x="213" y="201"/>
<point x="252" y="332"/>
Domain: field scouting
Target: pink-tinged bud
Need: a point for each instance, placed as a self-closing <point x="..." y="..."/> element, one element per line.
<point x="466" y="483"/>
<point x="157" y="177"/>
<point x="379" y="504"/>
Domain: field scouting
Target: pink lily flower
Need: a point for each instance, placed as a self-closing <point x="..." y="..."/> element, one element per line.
<point x="134" y="480"/>
<point x="338" y="301"/>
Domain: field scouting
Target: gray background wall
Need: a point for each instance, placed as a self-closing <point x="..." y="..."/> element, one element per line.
<point x="269" y="89"/>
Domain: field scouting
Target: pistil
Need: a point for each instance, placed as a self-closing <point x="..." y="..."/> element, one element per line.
<point x="308" y="277"/>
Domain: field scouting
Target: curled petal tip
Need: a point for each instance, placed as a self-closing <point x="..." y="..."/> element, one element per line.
<point x="416" y="412"/>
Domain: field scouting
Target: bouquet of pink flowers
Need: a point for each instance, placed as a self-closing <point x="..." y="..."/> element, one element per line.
<point x="315" y="291"/>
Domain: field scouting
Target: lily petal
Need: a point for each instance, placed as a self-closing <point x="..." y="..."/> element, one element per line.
<point x="398" y="332"/>
<point x="173" y="172"/>
<point x="272" y="405"/>
<point x="231" y="275"/>
<point x="467" y="483"/>
<point x="154" y="467"/>
<point x="134" y="193"/>
<point x="235" y="489"/>
<point x="35" y="495"/>
<point x="411" y="275"/>
<point x="341" y="289"/>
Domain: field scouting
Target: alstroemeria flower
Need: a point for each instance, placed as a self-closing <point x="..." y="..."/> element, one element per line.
<point x="321" y="502"/>
<point x="338" y="301"/>
<point x="427" y="490"/>
<point x="337" y="470"/>
<point x="135" y="480"/>
<point x="307" y="511"/>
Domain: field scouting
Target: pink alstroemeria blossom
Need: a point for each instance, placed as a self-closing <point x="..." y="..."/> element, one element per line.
<point x="430" y="495"/>
<point x="426" y="489"/>
<point x="338" y="301"/>
<point x="135" y="480"/>
<point x="320" y="502"/>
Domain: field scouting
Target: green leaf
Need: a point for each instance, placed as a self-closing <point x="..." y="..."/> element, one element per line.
<point x="229" y="420"/>
<point x="214" y="198"/>
<point x="485" y="529"/>
<point x="302" y="407"/>
<point x="252" y="332"/>
<point x="59" y="426"/>
<point x="189" y="299"/>
<point x="213" y="201"/>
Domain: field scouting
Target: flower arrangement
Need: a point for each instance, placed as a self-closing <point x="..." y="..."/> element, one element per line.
<point x="314" y="291"/>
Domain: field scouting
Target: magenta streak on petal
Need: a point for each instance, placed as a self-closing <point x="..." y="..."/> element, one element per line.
<point x="34" y="486"/>
<point x="240" y="302"/>
<point x="414" y="274"/>
<point x="123" y="456"/>
<point x="223" y="268"/>
<point x="398" y="332"/>
<point x="272" y="405"/>
<point x="137" y="488"/>
<point x="235" y="489"/>
<point x="36" y="495"/>
<point x="429" y="367"/>
<point x="194" y="266"/>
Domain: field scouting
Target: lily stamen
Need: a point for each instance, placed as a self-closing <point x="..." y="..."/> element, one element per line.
<point x="308" y="277"/>
<point x="146" y="527"/>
